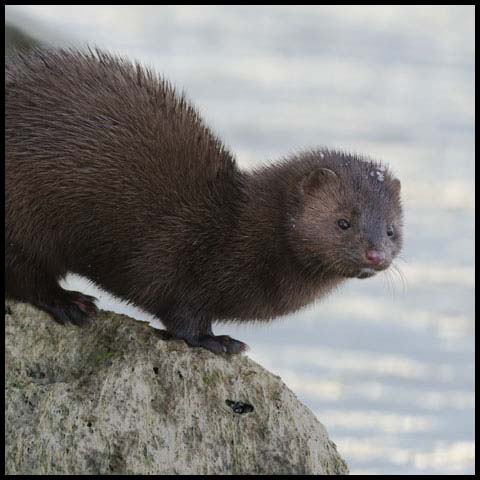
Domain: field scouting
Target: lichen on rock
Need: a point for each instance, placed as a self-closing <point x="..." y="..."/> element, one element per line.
<point x="117" y="398"/>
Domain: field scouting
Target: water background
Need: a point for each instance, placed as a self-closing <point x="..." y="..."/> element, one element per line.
<point x="388" y="369"/>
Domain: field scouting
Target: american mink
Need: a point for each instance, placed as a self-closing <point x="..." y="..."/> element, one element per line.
<point x="113" y="175"/>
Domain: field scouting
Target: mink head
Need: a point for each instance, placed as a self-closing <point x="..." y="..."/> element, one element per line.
<point x="349" y="217"/>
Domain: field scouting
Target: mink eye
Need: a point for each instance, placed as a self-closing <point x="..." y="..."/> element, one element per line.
<point x="343" y="224"/>
<point x="390" y="230"/>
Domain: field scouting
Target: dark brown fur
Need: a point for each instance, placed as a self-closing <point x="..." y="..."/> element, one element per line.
<point x="112" y="175"/>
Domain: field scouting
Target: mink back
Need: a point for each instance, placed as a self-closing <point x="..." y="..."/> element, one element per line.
<point x="107" y="165"/>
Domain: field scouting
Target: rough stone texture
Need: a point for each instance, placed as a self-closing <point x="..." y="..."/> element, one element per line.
<point x="117" y="398"/>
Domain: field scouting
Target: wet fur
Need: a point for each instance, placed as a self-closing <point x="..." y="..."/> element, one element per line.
<point x="112" y="175"/>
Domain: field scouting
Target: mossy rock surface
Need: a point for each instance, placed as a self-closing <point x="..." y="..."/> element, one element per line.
<point x="117" y="398"/>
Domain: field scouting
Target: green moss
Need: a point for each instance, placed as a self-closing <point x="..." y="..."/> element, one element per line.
<point x="104" y="356"/>
<point x="211" y="378"/>
<point x="158" y="402"/>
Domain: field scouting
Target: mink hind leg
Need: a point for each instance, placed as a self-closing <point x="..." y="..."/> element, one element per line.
<point x="32" y="283"/>
<point x="196" y="330"/>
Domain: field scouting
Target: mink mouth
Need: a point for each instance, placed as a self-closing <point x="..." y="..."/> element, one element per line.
<point x="366" y="273"/>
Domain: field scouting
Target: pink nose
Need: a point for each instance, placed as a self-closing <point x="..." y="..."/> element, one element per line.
<point x="375" y="257"/>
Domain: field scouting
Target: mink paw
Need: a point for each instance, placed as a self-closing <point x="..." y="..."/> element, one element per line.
<point x="75" y="308"/>
<point x="220" y="344"/>
<point x="232" y="345"/>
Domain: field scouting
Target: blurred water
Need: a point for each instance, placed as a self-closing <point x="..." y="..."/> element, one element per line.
<point x="389" y="369"/>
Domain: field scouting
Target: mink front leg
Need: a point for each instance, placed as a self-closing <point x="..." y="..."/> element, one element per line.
<point x="196" y="330"/>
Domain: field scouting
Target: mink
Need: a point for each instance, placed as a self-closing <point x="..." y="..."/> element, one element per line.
<point x="112" y="174"/>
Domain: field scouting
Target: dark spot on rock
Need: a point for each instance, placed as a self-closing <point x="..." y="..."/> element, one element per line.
<point x="8" y="311"/>
<point x="180" y="374"/>
<point x="155" y="369"/>
<point x="117" y="464"/>
<point x="239" y="407"/>
<point x="94" y="462"/>
<point x="89" y="424"/>
<point x="35" y="373"/>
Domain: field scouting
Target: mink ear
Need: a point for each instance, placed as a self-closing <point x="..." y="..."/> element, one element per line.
<point x="315" y="179"/>
<point x="396" y="185"/>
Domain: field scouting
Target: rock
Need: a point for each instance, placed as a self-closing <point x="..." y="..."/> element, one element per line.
<point x="117" y="398"/>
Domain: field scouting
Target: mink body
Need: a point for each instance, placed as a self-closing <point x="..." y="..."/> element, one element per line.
<point x="114" y="176"/>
